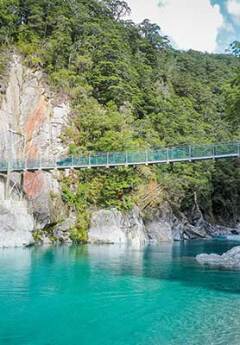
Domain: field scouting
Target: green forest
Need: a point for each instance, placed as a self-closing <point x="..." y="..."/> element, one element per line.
<point x="129" y="89"/>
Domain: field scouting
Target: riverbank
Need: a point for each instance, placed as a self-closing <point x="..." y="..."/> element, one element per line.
<point x="18" y="227"/>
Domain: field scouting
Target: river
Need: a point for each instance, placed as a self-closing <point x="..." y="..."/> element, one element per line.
<point x="111" y="295"/>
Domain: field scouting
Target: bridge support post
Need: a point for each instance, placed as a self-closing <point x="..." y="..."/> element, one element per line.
<point x="22" y="185"/>
<point x="214" y="152"/>
<point x="190" y="153"/>
<point x="7" y="189"/>
<point x="168" y="161"/>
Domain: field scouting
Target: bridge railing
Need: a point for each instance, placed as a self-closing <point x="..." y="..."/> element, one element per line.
<point x="18" y="165"/>
<point x="226" y="149"/>
<point x="200" y="151"/>
<point x="190" y="152"/>
<point x="3" y="165"/>
<point x="174" y="154"/>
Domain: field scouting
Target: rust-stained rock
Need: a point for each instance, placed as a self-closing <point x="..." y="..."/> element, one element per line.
<point x="34" y="184"/>
<point x="37" y="120"/>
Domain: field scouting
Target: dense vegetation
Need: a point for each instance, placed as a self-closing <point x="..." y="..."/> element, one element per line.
<point x="130" y="89"/>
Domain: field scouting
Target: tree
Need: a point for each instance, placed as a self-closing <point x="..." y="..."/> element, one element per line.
<point x="118" y="9"/>
<point x="235" y="48"/>
<point x="152" y="33"/>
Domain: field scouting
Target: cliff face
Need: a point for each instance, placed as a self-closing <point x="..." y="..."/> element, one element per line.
<point x="16" y="224"/>
<point x="32" y="120"/>
<point x="31" y="123"/>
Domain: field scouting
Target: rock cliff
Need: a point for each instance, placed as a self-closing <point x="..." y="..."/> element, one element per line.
<point x="16" y="224"/>
<point x="113" y="226"/>
<point x="32" y="120"/>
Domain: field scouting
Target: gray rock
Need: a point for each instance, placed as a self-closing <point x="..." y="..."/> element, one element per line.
<point x="38" y="120"/>
<point x="16" y="225"/>
<point x="113" y="226"/>
<point x="230" y="259"/>
<point x="220" y="230"/>
<point x="62" y="231"/>
<point x="159" y="230"/>
<point x="165" y="226"/>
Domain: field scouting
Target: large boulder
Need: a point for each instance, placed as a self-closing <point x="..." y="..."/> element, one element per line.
<point x="16" y="225"/>
<point x="113" y="226"/>
<point x="230" y="259"/>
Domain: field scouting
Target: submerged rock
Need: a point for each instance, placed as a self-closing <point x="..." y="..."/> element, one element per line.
<point x="230" y="259"/>
<point x="16" y="225"/>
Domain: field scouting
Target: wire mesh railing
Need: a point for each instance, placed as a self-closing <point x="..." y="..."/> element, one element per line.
<point x="165" y="155"/>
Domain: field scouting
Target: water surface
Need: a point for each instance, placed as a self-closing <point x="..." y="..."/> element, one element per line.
<point x="110" y="295"/>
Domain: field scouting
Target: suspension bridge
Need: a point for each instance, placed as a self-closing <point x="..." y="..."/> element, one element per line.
<point x="187" y="153"/>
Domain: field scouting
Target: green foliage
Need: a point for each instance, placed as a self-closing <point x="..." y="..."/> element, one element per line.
<point x="183" y="180"/>
<point x="37" y="236"/>
<point x="48" y="232"/>
<point x="235" y="48"/>
<point x="79" y="233"/>
<point x="76" y="199"/>
<point x="226" y="196"/>
<point x="232" y="91"/>
<point x="129" y="90"/>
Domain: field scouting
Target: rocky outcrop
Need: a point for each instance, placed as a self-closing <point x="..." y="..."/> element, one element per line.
<point x="113" y="226"/>
<point x="62" y="230"/>
<point x="224" y="232"/>
<point x="32" y="120"/>
<point x="159" y="226"/>
<point x="230" y="259"/>
<point x="16" y="224"/>
<point x="164" y="225"/>
<point x="58" y="233"/>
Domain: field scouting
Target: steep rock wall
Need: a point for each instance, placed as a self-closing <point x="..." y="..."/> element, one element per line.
<point x="31" y="122"/>
<point x="16" y="224"/>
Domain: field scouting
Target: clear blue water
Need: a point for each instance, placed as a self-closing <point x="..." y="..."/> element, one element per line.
<point x="108" y="295"/>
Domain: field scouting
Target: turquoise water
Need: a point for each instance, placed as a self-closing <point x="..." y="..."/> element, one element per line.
<point x="108" y="295"/>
